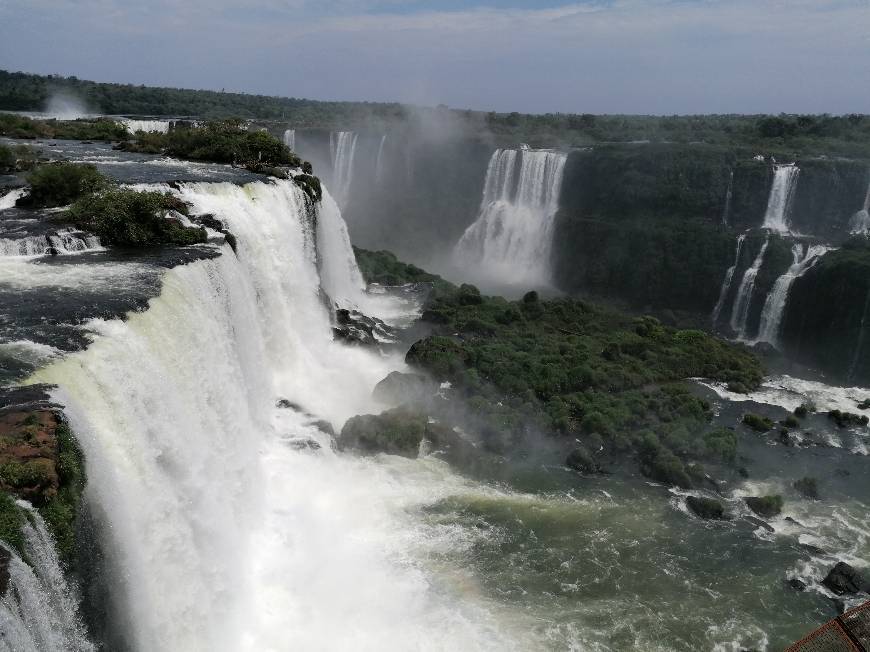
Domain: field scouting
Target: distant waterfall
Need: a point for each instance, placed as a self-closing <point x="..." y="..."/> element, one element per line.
<point x="511" y="240"/>
<point x="290" y="138"/>
<point x="39" y="610"/>
<point x="779" y="200"/>
<point x="342" y="147"/>
<point x="726" y="284"/>
<point x="740" y="309"/>
<point x="148" y="126"/>
<point x="379" y="163"/>
<point x="774" y="305"/>
<point x="861" y="219"/>
<point x="729" y="193"/>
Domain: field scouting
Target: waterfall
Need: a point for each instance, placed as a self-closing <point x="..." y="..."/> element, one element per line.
<point x="39" y="610"/>
<point x="63" y="241"/>
<point x="740" y="309"/>
<point x="861" y="219"/>
<point x="774" y="304"/>
<point x="154" y="126"/>
<point x="342" y="147"/>
<point x="231" y="524"/>
<point x="290" y="138"/>
<point x="726" y="284"/>
<point x="779" y="201"/>
<point x="729" y="193"/>
<point x="379" y="163"/>
<point x="512" y="237"/>
<point x="8" y="200"/>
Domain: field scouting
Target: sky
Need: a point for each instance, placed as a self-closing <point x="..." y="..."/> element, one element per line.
<point x="594" y="56"/>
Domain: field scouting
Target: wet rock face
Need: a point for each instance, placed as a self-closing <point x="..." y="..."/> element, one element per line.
<point x="843" y="579"/>
<point x="29" y="454"/>
<point x="353" y="327"/>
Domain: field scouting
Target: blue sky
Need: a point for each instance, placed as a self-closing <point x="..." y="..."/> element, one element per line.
<point x="603" y="56"/>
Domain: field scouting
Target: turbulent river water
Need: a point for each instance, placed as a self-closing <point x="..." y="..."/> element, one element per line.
<point x="228" y="523"/>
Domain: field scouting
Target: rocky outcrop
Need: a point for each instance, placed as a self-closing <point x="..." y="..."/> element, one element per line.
<point x="398" y="432"/>
<point x="765" y="506"/>
<point x="843" y="579"/>
<point x="355" y="328"/>
<point x="707" y="508"/>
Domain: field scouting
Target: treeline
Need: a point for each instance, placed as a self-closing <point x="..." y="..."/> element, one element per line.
<point x="847" y="135"/>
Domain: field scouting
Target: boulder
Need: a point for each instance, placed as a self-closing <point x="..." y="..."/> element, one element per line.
<point x="401" y="387"/>
<point x="707" y="508"/>
<point x="765" y="506"/>
<point x="843" y="579"/>
<point x="796" y="584"/>
<point x="398" y="432"/>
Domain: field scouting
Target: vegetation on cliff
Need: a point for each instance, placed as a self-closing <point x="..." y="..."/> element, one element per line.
<point x="16" y="126"/>
<point x="384" y="268"/>
<point x="60" y="184"/>
<point x="223" y="141"/>
<point x="564" y="366"/>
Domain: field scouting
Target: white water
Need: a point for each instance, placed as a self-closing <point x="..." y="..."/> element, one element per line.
<point x="729" y="193"/>
<point x="379" y="162"/>
<point x="861" y="219"/>
<point x="63" y="241"/>
<point x="153" y="126"/>
<point x="8" y="200"/>
<point x="726" y="283"/>
<point x="342" y="148"/>
<point x="38" y="613"/>
<point x="290" y="138"/>
<point x="774" y="306"/>
<point x="779" y="201"/>
<point x="740" y="309"/>
<point x="511" y="240"/>
<point x="221" y="534"/>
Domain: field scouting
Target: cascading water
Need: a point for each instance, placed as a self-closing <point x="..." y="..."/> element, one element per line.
<point x="774" y="305"/>
<point x="726" y="283"/>
<point x="152" y="126"/>
<point x="63" y="241"/>
<point x="729" y="193"/>
<point x="860" y="222"/>
<point x="230" y="524"/>
<point x="8" y="200"/>
<point x="740" y="309"/>
<point x="342" y="147"/>
<point x="779" y="200"/>
<point x="512" y="237"/>
<point x="290" y="138"/>
<point x="379" y="163"/>
<point x="38" y="611"/>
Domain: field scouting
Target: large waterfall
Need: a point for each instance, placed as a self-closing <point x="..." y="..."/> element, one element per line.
<point x="774" y="305"/>
<point x="779" y="200"/>
<point x="290" y="138"/>
<point x="740" y="309"/>
<point x="726" y="283"/>
<point x="342" y="148"/>
<point x="860" y="222"/>
<point x="510" y="242"/>
<point x="379" y="162"/>
<point x="38" y="612"/>
<point x="229" y="523"/>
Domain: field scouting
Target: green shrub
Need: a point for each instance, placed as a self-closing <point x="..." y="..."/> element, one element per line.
<point x="59" y="184"/>
<point x="765" y="506"/>
<point x="7" y="160"/>
<point x="11" y="520"/>
<point x="757" y="422"/>
<point x="125" y="217"/>
<point x="721" y="444"/>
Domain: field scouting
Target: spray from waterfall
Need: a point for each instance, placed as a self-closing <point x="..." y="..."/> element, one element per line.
<point x="379" y="163"/>
<point x="511" y="240"/>
<point x="860" y="222"/>
<point x="780" y="198"/>
<point x="726" y="283"/>
<point x="740" y="309"/>
<point x="39" y="609"/>
<point x="342" y="148"/>
<point x="290" y="138"/>
<point x="774" y="304"/>
<point x="148" y="126"/>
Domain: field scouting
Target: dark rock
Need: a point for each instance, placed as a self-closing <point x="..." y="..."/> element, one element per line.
<point x="325" y="427"/>
<point x="793" y="521"/>
<point x="864" y="405"/>
<point x="400" y="387"/>
<point x="398" y="431"/>
<point x="796" y="584"/>
<point x="289" y="405"/>
<point x="808" y="488"/>
<point x="847" y="419"/>
<point x="765" y="506"/>
<point x="707" y="508"/>
<point x="762" y="524"/>
<point x="813" y="550"/>
<point x="5" y="558"/>
<point x="843" y="579"/>
<point x="581" y="460"/>
<point x="743" y="472"/>
<point x="304" y="444"/>
<point x="358" y="329"/>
